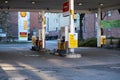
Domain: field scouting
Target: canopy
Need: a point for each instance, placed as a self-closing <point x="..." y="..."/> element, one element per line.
<point x="56" y="5"/>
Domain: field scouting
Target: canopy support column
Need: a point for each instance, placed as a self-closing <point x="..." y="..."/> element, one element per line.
<point x="72" y="27"/>
<point x="99" y="28"/>
<point x="43" y="30"/>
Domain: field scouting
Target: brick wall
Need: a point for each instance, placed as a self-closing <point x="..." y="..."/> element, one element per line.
<point x="90" y="25"/>
<point x="89" y="29"/>
<point x="113" y="31"/>
<point x="34" y="22"/>
<point x="13" y="31"/>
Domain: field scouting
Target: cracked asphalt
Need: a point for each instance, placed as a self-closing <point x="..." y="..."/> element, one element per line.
<point x="18" y="62"/>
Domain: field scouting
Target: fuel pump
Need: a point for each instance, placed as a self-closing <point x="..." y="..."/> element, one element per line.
<point x="37" y="41"/>
<point x="40" y="37"/>
<point x="63" y="41"/>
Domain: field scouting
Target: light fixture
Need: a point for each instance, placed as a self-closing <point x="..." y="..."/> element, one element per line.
<point x="6" y="1"/>
<point x="101" y="4"/>
<point x="80" y="4"/>
<point x="33" y="2"/>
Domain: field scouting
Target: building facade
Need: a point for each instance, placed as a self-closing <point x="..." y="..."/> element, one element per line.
<point x="54" y="22"/>
<point x="90" y="24"/>
<point x="89" y="28"/>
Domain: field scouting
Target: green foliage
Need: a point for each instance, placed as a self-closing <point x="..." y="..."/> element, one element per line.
<point x="91" y="42"/>
<point x="5" y="20"/>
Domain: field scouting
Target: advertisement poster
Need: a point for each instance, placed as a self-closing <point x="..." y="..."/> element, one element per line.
<point x="23" y="25"/>
<point x="73" y="40"/>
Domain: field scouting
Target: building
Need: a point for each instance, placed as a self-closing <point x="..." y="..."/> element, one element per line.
<point x="54" y="22"/>
<point x="15" y="24"/>
<point x="90" y="24"/>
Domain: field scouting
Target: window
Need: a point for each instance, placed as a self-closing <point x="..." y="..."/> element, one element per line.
<point x="84" y="27"/>
<point x="47" y="25"/>
<point x="96" y="15"/>
<point x="109" y="13"/>
<point x="109" y="29"/>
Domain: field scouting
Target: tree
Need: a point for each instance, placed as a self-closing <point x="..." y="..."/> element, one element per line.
<point x="5" y="21"/>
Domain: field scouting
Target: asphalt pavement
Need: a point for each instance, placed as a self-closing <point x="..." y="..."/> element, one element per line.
<point x="18" y="62"/>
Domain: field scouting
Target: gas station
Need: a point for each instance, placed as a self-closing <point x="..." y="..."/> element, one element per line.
<point x="18" y="62"/>
<point x="68" y="8"/>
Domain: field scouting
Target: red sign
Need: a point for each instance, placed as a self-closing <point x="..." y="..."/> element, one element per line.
<point x="65" y="6"/>
<point x="23" y="34"/>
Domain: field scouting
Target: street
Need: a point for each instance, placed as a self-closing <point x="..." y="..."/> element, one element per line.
<point x="18" y="62"/>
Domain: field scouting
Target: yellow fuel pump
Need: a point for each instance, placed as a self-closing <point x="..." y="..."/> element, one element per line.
<point x="63" y="41"/>
<point x="37" y="41"/>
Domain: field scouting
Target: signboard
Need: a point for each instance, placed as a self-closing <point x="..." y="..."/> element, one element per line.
<point x="23" y="25"/>
<point x="23" y="34"/>
<point x="65" y="8"/>
<point x="110" y="23"/>
<point x="73" y="40"/>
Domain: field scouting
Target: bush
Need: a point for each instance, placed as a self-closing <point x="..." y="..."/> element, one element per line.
<point x="111" y="37"/>
<point x="11" y="38"/>
<point x="91" y="42"/>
